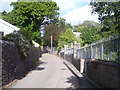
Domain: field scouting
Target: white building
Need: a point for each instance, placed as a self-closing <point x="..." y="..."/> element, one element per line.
<point x="6" y="28"/>
<point x="77" y="34"/>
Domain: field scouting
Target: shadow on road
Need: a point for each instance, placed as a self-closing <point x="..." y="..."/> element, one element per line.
<point x="73" y="82"/>
<point x="39" y="68"/>
<point x="83" y="82"/>
<point x="39" y="65"/>
<point x="41" y="62"/>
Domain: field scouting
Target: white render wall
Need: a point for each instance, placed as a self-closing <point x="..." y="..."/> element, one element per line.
<point x="77" y="34"/>
<point x="7" y="27"/>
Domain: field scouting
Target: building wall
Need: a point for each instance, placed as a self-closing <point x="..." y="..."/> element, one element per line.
<point x="7" y="27"/>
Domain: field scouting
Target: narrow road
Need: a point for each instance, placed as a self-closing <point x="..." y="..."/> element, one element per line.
<point x="51" y="73"/>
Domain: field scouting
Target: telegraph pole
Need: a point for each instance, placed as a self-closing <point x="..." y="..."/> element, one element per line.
<point x="51" y="42"/>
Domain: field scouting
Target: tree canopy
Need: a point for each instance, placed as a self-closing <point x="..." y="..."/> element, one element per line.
<point x="109" y="16"/>
<point x="55" y="28"/>
<point x="90" y="32"/>
<point x="30" y="15"/>
<point x="66" y="38"/>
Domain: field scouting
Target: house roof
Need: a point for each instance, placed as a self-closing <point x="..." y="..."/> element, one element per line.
<point x="9" y="25"/>
<point x="77" y="34"/>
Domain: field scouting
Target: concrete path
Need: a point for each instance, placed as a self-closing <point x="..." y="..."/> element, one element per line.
<point x="51" y="73"/>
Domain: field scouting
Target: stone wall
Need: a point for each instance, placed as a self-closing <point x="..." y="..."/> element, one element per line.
<point x="14" y="66"/>
<point x="69" y="57"/>
<point x="74" y="61"/>
<point x="10" y="58"/>
<point x="104" y="74"/>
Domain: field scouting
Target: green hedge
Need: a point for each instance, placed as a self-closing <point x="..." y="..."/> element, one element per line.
<point x="22" y="43"/>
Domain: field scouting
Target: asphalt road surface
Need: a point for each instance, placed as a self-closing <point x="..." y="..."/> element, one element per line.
<point x="51" y="73"/>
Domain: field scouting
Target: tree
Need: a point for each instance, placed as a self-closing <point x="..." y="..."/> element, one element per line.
<point x="66" y="38"/>
<point x="90" y="35"/>
<point x="61" y="22"/>
<point x="4" y="13"/>
<point x="30" y="15"/>
<point x="90" y="32"/>
<point x="53" y="30"/>
<point x="109" y="16"/>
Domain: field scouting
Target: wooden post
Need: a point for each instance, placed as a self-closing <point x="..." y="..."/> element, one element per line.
<point x="51" y="42"/>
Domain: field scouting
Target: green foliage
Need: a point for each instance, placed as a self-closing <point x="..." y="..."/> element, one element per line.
<point x="90" y="32"/>
<point x="66" y="38"/>
<point x="90" y="35"/>
<point x="109" y="16"/>
<point x="21" y="42"/>
<point x="27" y="34"/>
<point x="112" y="56"/>
<point x="61" y="22"/>
<point x="30" y="15"/>
<point x="55" y="28"/>
<point x="36" y="37"/>
<point x="3" y="14"/>
<point x="79" y="40"/>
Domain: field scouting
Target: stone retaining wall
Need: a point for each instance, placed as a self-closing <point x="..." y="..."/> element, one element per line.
<point x="104" y="74"/>
<point x="75" y="62"/>
<point x="13" y="66"/>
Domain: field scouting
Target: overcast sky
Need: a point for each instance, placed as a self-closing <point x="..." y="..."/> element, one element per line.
<point x="74" y="11"/>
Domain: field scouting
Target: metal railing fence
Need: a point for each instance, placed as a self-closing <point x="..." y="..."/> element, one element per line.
<point x="107" y="49"/>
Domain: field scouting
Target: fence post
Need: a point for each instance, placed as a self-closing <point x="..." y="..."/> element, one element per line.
<point x="91" y="49"/>
<point x="65" y="49"/>
<point x="96" y="54"/>
<point x="85" y="59"/>
<point x="75" y="48"/>
<point x="77" y="53"/>
<point x="84" y="52"/>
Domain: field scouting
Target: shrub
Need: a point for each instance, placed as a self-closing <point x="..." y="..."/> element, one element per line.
<point x="21" y="42"/>
<point x="111" y="56"/>
<point x="27" y="34"/>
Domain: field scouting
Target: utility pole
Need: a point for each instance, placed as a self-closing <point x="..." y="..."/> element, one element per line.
<point x="51" y="42"/>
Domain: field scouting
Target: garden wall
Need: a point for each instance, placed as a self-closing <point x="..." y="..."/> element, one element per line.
<point x="13" y="66"/>
<point x="74" y="61"/>
<point x="104" y="74"/>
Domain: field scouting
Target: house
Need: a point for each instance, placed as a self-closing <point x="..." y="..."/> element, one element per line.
<point x="77" y="34"/>
<point x="6" y="28"/>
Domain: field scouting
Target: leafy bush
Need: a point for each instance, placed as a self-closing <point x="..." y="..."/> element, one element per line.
<point x="36" y="37"/>
<point x="66" y="38"/>
<point x="112" y="56"/>
<point x="21" y="42"/>
<point x="27" y="34"/>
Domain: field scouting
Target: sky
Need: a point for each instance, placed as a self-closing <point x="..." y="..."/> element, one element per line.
<point x="74" y="11"/>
